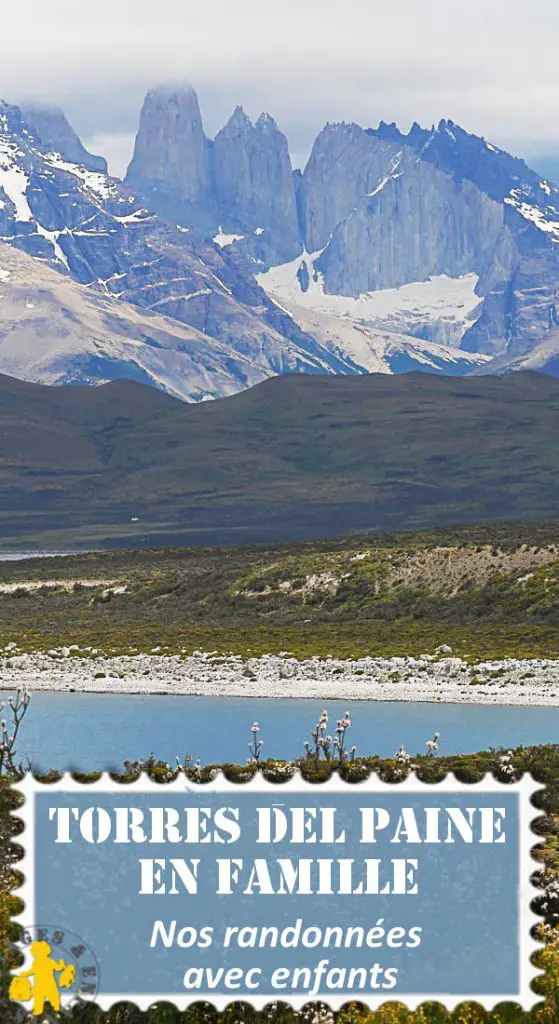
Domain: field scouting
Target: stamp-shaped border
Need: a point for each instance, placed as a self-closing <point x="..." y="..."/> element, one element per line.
<point x="526" y="787"/>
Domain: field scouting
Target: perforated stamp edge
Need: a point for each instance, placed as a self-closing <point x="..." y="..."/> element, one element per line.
<point x="526" y="787"/>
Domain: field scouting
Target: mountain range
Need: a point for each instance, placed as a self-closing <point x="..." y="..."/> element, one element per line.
<point x="215" y="264"/>
<point x="297" y="456"/>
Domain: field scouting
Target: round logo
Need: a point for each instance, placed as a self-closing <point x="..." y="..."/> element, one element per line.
<point x="60" y="971"/>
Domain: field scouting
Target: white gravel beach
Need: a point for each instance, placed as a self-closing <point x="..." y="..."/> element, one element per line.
<point x="432" y="678"/>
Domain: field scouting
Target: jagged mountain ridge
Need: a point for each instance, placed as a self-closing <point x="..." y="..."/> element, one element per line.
<point x="378" y="209"/>
<point x="56" y="133"/>
<point x="94" y="229"/>
<point x="242" y="180"/>
<point x="389" y="251"/>
<point x="447" y="203"/>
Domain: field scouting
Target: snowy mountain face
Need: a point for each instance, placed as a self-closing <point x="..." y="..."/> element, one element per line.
<point x="519" y="280"/>
<point x="429" y="250"/>
<point x="381" y="210"/>
<point x="56" y="134"/>
<point x="94" y="230"/>
<point x="377" y="211"/>
<point x="54" y="330"/>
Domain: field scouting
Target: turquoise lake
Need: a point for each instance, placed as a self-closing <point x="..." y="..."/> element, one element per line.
<point x="100" y="731"/>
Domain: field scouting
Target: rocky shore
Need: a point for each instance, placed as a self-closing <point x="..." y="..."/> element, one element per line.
<point x="439" y="677"/>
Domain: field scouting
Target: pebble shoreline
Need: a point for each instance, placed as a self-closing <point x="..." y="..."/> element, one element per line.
<point x="428" y="678"/>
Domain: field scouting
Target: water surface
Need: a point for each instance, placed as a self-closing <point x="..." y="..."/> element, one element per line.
<point x="99" y="731"/>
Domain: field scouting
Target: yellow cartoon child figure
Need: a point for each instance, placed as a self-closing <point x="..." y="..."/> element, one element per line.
<point x="45" y="987"/>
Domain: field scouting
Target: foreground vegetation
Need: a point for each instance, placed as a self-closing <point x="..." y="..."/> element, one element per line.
<point x="487" y="591"/>
<point x="490" y="591"/>
<point x="542" y="762"/>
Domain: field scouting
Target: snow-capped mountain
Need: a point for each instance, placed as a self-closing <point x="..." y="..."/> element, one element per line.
<point x="215" y="264"/>
<point x="56" y="133"/>
<point x="91" y="228"/>
<point x="439" y="211"/>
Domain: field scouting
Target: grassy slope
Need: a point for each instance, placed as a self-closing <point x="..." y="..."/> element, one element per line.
<point x="293" y="457"/>
<point x="488" y="591"/>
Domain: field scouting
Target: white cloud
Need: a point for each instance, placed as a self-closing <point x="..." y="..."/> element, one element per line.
<point x="488" y="64"/>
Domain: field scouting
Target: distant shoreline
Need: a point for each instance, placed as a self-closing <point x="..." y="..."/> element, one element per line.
<point x="23" y="556"/>
<point x="448" y="680"/>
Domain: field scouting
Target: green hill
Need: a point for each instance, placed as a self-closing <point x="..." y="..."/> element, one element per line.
<point x="295" y="457"/>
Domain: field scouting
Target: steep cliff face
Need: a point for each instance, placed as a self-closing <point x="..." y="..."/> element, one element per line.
<point x="56" y="133"/>
<point x="254" y="187"/>
<point x="417" y="223"/>
<point x="435" y="234"/>
<point x="344" y="167"/>
<point x="493" y="328"/>
<point x="171" y="163"/>
<point x="519" y="282"/>
<point x="380" y="209"/>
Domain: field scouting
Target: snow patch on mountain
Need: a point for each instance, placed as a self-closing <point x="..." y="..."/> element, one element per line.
<point x="382" y="351"/>
<point x="538" y="216"/>
<point x="223" y="239"/>
<point x="94" y="181"/>
<point x="54" y="330"/>
<point x="52" y="237"/>
<point x="13" y="180"/>
<point x="409" y="309"/>
<point x="391" y="176"/>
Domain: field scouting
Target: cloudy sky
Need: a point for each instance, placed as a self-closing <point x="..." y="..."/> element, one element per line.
<point x="491" y="65"/>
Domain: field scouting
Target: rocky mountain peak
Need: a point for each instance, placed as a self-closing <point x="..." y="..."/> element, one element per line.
<point x="56" y="133"/>
<point x="266" y="123"/>
<point x="254" y="187"/>
<point x="173" y="102"/>
<point x="13" y="123"/>
<point x="171" y="161"/>
<point x="239" y="121"/>
<point x="346" y="165"/>
<point x="460" y="154"/>
<point x="417" y="136"/>
<point x="170" y="139"/>
<point x="173" y="90"/>
<point x="388" y="131"/>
